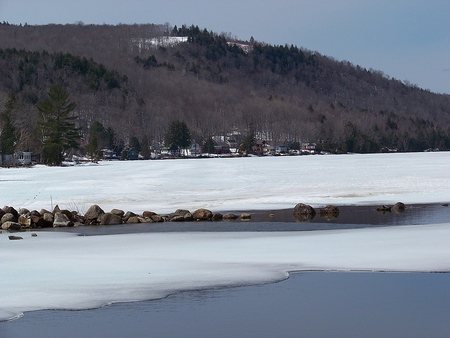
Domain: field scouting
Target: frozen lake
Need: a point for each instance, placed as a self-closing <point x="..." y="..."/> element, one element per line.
<point x="74" y="272"/>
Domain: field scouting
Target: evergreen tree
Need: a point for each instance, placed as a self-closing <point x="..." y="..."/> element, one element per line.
<point x="59" y="131"/>
<point x="145" y="151"/>
<point x="178" y="136"/>
<point x="209" y="146"/>
<point x="134" y="143"/>
<point x="249" y="142"/>
<point x="7" y="129"/>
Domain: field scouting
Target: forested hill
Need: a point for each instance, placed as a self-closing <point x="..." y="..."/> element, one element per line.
<point x="136" y="79"/>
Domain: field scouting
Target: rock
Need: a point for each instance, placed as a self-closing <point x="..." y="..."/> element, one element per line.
<point x="24" y="211"/>
<point x="133" y="220"/>
<point x="68" y="213"/>
<point x="2" y="213"/>
<point x="48" y="217"/>
<point x="15" y="238"/>
<point x="229" y="217"/>
<point x="8" y="217"/>
<point x="157" y="218"/>
<point x="399" y="207"/>
<point x="176" y="218"/>
<point x="188" y="217"/>
<point x="111" y="218"/>
<point x="382" y="209"/>
<point x="24" y="220"/>
<point x="61" y="220"/>
<point x="329" y="212"/>
<point x="246" y="216"/>
<point x="304" y="212"/>
<point x="93" y="214"/>
<point x="127" y="216"/>
<point x="11" y="210"/>
<point x="202" y="215"/>
<point x="44" y="211"/>
<point x="148" y="214"/>
<point x="216" y="217"/>
<point x="13" y="226"/>
<point x="56" y="209"/>
<point x="118" y="212"/>
<point x="34" y="234"/>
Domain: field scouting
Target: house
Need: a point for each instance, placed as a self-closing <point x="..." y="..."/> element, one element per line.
<point x="23" y="157"/>
<point x="309" y="147"/>
<point x="221" y="148"/>
<point x="130" y="154"/>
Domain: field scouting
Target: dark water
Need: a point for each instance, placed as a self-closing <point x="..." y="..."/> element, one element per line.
<point x="312" y="304"/>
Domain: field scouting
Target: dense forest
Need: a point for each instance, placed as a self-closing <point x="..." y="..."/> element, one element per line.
<point x="131" y="81"/>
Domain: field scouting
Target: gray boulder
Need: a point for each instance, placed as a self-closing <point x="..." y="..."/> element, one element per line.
<point x="15" y="238"/>
<point x="110" y="219"/>
<point x="229" y="217"/>
<point x="245" y="216"/>
<point x="12" y="226"/>
<point x="118" y="212"/>
<point x="61" y="220"/>
<point x="25" y="220"/>
<point x="216" y="217"/>
<point x="399" y="207"/>
<point x="8" y="217"/>
<point x="202" y="215"/>
<point x="93" y="214"/>
<point x="303" y="212"/>
<point x="329" y="212"/>
<point x="10" y="210"/>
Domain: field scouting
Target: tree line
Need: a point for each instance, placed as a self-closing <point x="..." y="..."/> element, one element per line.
<point x="216" y="84"/>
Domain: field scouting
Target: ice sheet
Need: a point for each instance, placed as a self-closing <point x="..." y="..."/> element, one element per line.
<point x="65" y="271"/>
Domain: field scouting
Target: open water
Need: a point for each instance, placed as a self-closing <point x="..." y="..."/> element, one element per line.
<point x="308" y="304"/>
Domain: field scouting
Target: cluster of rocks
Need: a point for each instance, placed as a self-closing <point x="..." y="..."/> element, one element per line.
<point x="305" y="213"/>
<point x="398" y="207"/>
<point x="23" y="219"/>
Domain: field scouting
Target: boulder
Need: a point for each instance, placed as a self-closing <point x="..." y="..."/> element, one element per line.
<point x="382" y="209"/>
<point x="133" y="220"/>
<point x="157" y="218"/>
<point x="93" y="214"/>
<point x="329" y="212"/>
<point x="202" y="215"/>
<point x="48" y="217"/>
<point x="127" y="216"/>
<point x="246" y="216"/>
<point x="24" y="211"/>
<point x="216" y="217"/>
<point x="229" y="217"/>
<point x="399" y="207"/>
<point x="11" y="210"/>
<point x="25" y="221"/>
<point x="2" y="213"/>
<point x="118" y="212"/>
<point x="13" y="226"/>
<point x="148" y="214"/>
<point x="15" y="238"/>
<point x="68" y="213"/>
<point x="44" y="211"/>
<point x="61" y="220"/>
<point x="304" y="212"/>
<point x="111" y="219"/>
<point x="8" y="217"/>
<point x="176" y="218"/>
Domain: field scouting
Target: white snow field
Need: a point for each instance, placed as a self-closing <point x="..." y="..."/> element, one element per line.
<point x="66" y="271"/>
<point x="227" y="184"/>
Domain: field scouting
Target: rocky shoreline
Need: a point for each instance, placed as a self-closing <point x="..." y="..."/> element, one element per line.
<point x="12" y="220"/>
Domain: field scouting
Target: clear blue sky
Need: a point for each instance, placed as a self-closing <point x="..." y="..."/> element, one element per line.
<point x="406" y="39"/>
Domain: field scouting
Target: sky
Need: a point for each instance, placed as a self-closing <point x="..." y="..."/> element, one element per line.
<point x="406" y="39"/>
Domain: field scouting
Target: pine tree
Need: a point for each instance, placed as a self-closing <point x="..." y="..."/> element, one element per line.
<point x="209" y="146"/>
<point x="178" y="136"/>
<point x="59" y="131"/>
<point x="7" y="129"/>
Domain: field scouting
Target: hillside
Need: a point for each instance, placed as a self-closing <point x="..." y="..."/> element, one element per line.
<point x="136" y="79"/>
